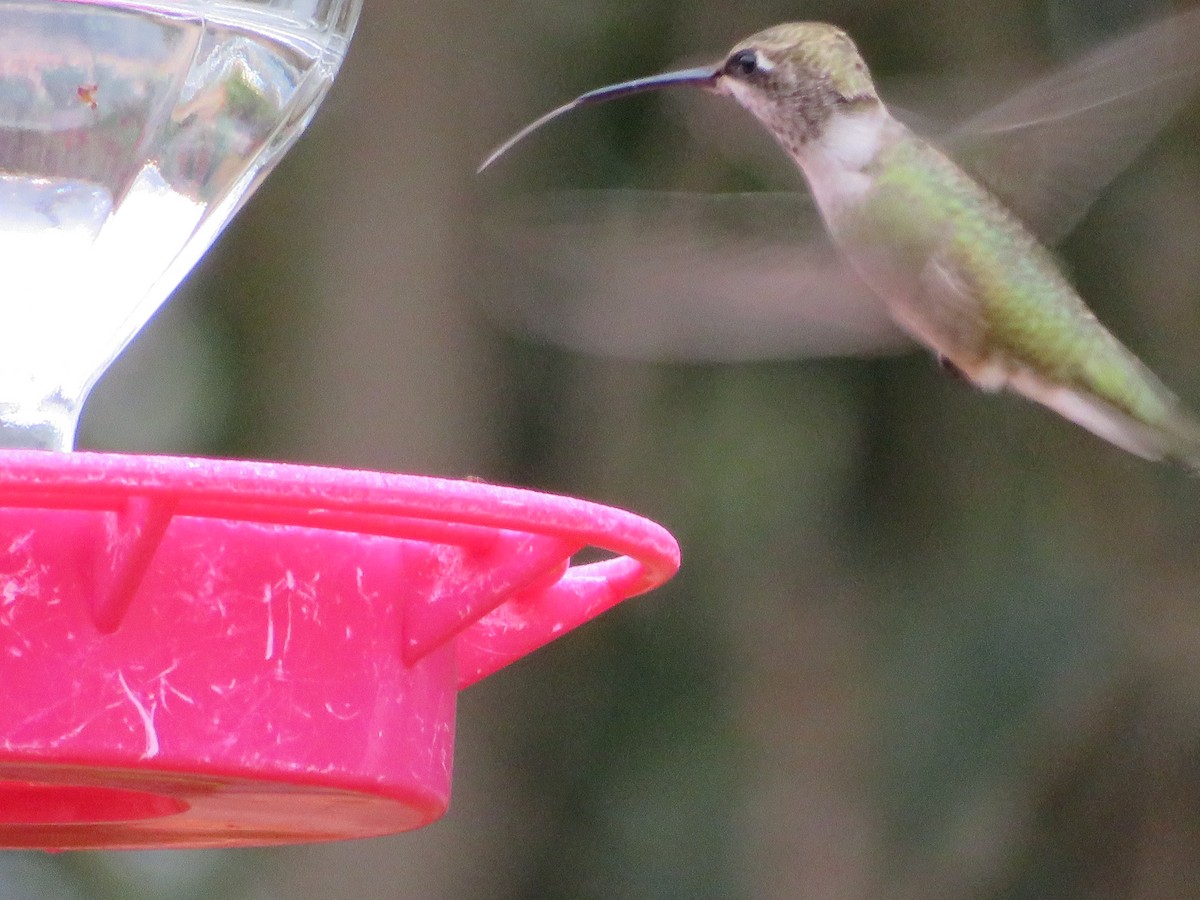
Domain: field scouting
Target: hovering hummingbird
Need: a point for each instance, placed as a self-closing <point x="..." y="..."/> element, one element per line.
<point x="955" y="267"/>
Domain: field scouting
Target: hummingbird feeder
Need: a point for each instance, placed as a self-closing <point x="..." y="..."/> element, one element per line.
<point x="207" y="653"/>
<point x="204" y="653"/>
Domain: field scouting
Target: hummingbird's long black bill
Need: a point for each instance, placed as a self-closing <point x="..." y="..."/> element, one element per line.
<point x="705" y="76"/>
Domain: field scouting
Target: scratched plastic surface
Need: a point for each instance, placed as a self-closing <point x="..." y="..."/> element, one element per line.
<point x="204" y="653"/>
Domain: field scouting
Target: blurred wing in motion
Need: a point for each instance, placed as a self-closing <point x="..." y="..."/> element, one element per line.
<point x="671" y="276"/>
<point x="680" y="277"/>
<point x="1048" y="150"/>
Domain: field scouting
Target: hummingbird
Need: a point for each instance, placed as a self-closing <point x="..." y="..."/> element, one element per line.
<point x="955" y="267"/>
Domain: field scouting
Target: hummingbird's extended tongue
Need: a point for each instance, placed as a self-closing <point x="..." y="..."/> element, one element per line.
<point x="703" y="76"/>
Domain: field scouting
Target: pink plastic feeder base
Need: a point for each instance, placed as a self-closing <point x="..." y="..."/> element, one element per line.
<point x="206" y="653"/>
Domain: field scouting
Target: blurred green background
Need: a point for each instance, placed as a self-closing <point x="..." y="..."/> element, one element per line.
<point x="925" y="642"/>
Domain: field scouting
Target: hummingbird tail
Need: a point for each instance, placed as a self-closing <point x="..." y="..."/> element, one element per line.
<point x="1172" y="436"/>
<point x="1175" y="439"/>
<point x="1184" y="431"/>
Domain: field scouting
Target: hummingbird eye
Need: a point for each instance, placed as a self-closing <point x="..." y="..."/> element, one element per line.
<point x="744" y="63"/>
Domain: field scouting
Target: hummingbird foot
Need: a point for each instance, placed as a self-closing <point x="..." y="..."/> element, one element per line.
<point x="954" y="371"/>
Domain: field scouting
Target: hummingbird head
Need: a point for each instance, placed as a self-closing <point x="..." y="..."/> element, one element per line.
<point x="794" y="78"/>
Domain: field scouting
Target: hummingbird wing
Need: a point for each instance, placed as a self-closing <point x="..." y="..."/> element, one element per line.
<point x="1049" y="149"/>
<point x="679" y="277"/>
<point x="658" y="276"/>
